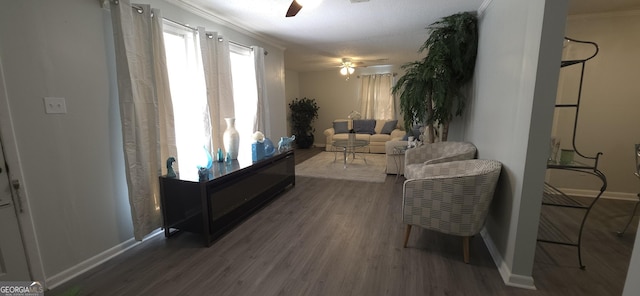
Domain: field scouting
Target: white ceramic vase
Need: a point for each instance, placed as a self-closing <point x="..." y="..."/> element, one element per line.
<point x="231" y="139"/>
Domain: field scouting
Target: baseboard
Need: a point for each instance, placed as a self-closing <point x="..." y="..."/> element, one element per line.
<point x="606" y="194"/>
<point x="510" y="279"/>
<point x="82" y="267"/>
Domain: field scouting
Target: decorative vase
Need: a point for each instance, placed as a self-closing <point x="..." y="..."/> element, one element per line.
<point x="566" y="156"/>
<point x="231" y="138"/>
<point x="170" y="172"/>
<point x="220" y="155"/>
<point x="205" y="160"/>
<point x="269" y="149"/>
<point x="257" y="151"/>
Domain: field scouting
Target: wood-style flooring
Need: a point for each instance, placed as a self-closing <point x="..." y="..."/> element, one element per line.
<point x="337" y="237"/>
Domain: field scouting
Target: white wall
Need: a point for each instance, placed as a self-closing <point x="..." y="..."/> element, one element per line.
<point x="335" y="96"/>
<point x="292" y="91"/>
<point x="510" y="120"/>
<point x="71" y="165"/>
<point x="608" y="119"/>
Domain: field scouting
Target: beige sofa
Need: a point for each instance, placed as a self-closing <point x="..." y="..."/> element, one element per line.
<point x="376" y="141"/>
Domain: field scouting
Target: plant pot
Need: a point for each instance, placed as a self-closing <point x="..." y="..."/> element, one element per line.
<point x="304" y="141"/>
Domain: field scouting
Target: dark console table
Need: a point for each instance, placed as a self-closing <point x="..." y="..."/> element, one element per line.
<point x="230" y="193"/>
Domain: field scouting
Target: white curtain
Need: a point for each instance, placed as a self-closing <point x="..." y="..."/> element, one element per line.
<point x="217" y="76"/>
<point x="376" y="100"/>
<point x="263" y="121"/>
<point x="145" y="108"/>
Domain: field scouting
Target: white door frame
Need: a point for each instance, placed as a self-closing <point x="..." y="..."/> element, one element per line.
<point x="12" y="158"/>
<point x="12" y="251"/>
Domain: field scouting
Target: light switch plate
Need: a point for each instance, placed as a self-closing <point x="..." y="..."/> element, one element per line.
<point x="54" y="105"/>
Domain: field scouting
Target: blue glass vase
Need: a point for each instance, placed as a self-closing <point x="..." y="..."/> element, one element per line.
<point x="220" y="157"/>
<point x="257" y="151"/>
<point x="269" y="149"/>
<point x="206" y="161"/>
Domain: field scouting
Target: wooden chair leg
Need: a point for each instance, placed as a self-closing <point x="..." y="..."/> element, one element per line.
<point x="465" y="248"/>
<point x="406" y="235"/>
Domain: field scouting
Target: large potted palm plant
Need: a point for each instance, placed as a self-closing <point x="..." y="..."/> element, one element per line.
<point x="432" y="91"/>
<point x="303" y="112"/>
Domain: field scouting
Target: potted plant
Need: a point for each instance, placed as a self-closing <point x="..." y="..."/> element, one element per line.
<point x="303" y="112"/>
<point x="432" y="91"/>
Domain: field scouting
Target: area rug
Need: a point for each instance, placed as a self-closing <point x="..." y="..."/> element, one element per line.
<point x="323" y="165"/>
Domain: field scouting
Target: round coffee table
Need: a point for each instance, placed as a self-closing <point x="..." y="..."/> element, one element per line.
<point x="349" y="146"/>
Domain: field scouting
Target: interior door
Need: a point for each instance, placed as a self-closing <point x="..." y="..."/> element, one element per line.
<point x="13" y="261"/>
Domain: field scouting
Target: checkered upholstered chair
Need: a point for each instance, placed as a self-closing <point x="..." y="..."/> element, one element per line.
<point x="451" y="197"/>
<point x="416" y="158"/>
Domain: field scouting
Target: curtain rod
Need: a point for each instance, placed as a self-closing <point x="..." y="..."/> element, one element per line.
<point x="180" y="24"/>
<point x="220" y="38"/>
<point x="240" y="45"/>
<point x="392" y="74"/>
<point x="104" y="4"/>
<point x="141" y="10"/>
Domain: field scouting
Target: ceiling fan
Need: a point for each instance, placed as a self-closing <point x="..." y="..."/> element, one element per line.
<point x="293" y="9"/>
<point x="349" y="62"/>
<point x="296" y="5"/>
<point x="347" y="67"/>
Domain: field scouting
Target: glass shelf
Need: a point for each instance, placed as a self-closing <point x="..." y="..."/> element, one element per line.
<point x="571" y="165"/>
<point x="578" y="163"/>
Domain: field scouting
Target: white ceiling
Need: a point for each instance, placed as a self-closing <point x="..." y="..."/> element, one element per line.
<point x="377" y="32"/>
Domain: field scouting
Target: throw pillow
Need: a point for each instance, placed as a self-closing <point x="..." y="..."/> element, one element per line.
<point x="364" y="126"/>
<point x="340" y="127"/>
<point x="389" y="126"/>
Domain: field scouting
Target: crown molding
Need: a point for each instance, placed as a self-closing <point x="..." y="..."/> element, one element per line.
<point x="483" y="6"/>
<point x="200" y="11"/>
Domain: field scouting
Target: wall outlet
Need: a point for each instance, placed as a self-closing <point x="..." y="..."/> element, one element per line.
<point x="54" y="105"/>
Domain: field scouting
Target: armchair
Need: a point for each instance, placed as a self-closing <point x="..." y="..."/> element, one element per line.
<point x="451" y="197"/>
<point x="416" y="158"/>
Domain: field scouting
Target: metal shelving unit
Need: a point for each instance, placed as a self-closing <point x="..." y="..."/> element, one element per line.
<point x="549" y="232"/>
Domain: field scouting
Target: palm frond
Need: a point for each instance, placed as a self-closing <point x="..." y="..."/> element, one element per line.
<point x="432" y="90"/>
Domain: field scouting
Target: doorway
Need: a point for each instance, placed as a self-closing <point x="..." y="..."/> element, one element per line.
<point x="13" y="260"/>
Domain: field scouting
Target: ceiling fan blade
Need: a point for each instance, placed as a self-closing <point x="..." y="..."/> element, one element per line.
<point x="293" y="9"/>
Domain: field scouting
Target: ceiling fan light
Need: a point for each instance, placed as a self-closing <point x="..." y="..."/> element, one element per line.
<point x="351" y="70"/>
<point x="344" y="70"/>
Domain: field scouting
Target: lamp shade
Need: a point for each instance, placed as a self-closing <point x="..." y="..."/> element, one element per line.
<point x="347" y="70"/>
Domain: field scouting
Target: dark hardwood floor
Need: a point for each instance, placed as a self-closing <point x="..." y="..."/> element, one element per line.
<point x="337" y="237"/>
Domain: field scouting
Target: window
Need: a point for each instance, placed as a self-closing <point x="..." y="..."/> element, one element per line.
<point x="376" y="100"/>
<point x="189" y="97"/>
<point x="188" y="93"/>
<point x="245" y="95"/>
